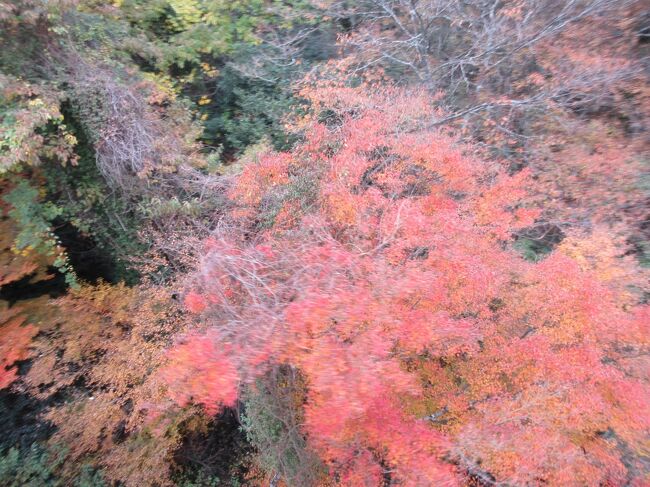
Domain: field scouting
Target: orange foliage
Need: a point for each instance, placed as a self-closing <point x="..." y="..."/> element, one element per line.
<point x="431" y="352"/>
<point x="15" y="338"/>
<point x="100" y="347"/>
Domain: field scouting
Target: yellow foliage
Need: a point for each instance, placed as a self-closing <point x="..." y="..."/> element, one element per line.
<point x="187" y="12"/>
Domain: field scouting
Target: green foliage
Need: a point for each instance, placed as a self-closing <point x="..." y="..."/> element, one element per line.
<point x="30" y="468"/>
<point x="530" y="249"/>
<point x="261" y="427"/>
<point x="271" y="421"/>
<point x="246" y="111"/>
<point x="536" y="242"/>
<point x="642" y="241"/>
<point x="31" y="126"/>
<point x="184" y="31"/>
<point x="641" y="248"/>
<point x="38" y="467"/>
<point x="86" y="201"/>
<point x="89" y="477"/>
<point x="203" y="48"/>
<point x="34" y="219"/>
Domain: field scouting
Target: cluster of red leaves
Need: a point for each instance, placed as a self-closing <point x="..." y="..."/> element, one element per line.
<point x="212" y="382"/>
<point x="373" y="258"/>
<point x="15" y="335"/>
<point x="15" y="338"/>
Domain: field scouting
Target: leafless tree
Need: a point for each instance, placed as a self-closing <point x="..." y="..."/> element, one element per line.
<point x="469" y="47"/>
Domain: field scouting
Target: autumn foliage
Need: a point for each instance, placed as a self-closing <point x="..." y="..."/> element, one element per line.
<point x="374" y="258"/>
<point x="324" y="243"/>
<point x="14" y="344"/>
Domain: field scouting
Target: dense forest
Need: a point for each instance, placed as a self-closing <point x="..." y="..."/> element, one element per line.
<point x="324" y="243"/>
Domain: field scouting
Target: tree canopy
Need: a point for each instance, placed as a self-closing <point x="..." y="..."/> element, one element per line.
<point x="320" y="243"/>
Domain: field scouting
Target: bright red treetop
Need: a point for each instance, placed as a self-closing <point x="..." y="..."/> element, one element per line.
<point x="373" y="258"/>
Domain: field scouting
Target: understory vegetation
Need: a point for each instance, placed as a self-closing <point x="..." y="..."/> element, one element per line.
<point x="324" y="243"/>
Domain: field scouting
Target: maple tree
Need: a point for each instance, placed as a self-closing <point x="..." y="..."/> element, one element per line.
<point x="16" y="337"/>
<point x="558" y="87"/>
<point x="358" y="311"/>
<point x="372" y="259"/>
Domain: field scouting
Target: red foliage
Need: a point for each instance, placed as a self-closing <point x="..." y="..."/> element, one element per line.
<point x="427" y="346"/>
<point x="195" y="302"/>
<point x="213" y="379"/>
<point x="15" y="338"/>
